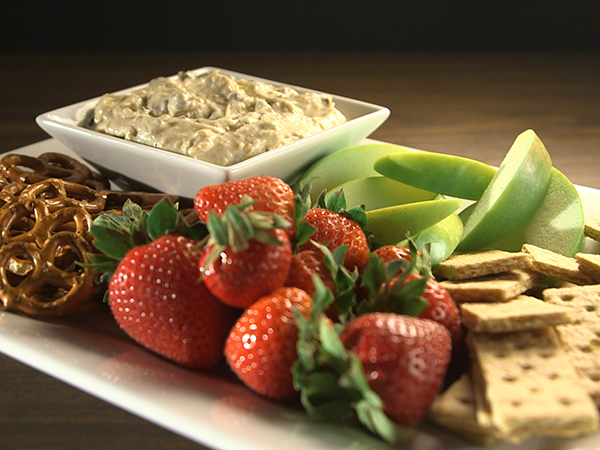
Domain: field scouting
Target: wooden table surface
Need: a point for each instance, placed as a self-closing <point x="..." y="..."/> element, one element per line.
<point x="468" y="104"/>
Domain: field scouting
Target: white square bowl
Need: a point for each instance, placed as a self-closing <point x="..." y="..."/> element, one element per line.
<point x="150" y="168"/>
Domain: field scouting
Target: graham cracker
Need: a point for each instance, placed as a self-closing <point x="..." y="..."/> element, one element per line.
<point x="454" y="410"/>
<point x="478" y="264"/>
<point x="581" y="338"/>
<point x="556" y="265"/>
<point x="584" y="299"/>
<point x="589" y="264"/>
<point x="592" y="227"/>
<point x="526" y="386"/>
<point x="493" y="288"/>
<point x="521" y="313"/>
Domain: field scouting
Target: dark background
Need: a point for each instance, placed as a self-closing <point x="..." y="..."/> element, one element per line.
<point x="298" y="25"/>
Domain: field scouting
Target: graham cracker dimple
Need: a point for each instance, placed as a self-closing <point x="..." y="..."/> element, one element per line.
<point x="493" y="288"/>
<point x="581" y="338"/>
<point x="521" y="313"/>
<point x="526" y="386"/>
<point x="556" y="265"/>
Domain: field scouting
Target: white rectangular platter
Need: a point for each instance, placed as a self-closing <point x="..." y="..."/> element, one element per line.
<point x="90" y="353"/>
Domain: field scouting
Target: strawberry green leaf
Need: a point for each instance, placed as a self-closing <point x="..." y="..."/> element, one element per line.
<point x="236" y="239"/>
<point x="113" y="221"/>
<point x="354" y="378"/>
<point x="111" y="242"/>
<point x="320" y="201"/>
<point x="339" y="253"/>
<point x="369" y="409"/>
<point x="331" y="379"/>
<point x="238" y="225"/>
<point x="216" y="228"/>
<point x="306" y="347"/>
<point x="162" y="219"/>
<point x="267" y="237"/>
<point x="336" y="201"/>
<point x="359" y="215"/>
<point x="324" y="399"/>
<point x="116" y="234"/>
<point x="239" y="220"/>
<point x="280" y="222"/>
<point x="103" y="264"/>
<point x="303" y="232"/>
<point x="132" y="211"/>
<point x="400" y="267"/>
<point x="139" y="231"/>
<point x="302" y="200"/>
<point x="373" y="275"/>
<point x="379" y="424"/>
<point x="322" y="297"/>
<point x="197" y="230"/>
<point x="344" y="280"/>
<point x="332" y="348"/>
<point x="407" y="298"/>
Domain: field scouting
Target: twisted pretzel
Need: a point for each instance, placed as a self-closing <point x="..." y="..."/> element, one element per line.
<point x="10" y="193"/>
<point x="58" y="193"/>
<point x="47" y="205"/>
<point x="3" y="180"/>
<point x="21" y="221"/>
<point x="31" y="221"/>
<point x="50" y="165"/>
<point x="46" y="281"/>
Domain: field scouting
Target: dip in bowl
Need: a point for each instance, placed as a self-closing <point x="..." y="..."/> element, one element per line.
<point x="175" y="140"/>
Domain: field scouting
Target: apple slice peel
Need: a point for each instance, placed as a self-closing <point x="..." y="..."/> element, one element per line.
<point x="512" y="196"/>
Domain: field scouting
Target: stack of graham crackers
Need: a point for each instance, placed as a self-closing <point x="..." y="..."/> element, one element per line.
<point x="533" y="332"/>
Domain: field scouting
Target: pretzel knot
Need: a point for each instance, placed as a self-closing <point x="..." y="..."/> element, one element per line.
<point x="46" y="281"/>
<point x="29" y="170"/>
<point x="58" y="193"/>
<point x="48" y="165"/>
<point x="10" y="193"/>
<point x="32" y="221"/>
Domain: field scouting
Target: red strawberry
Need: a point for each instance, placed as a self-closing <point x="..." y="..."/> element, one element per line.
<point x="240" y="277"/>
<point x="156" y="298"/>
<point x="392" y="252"/>
<point x="407" y="288"/>
<point x="405" y="361"/>
<point x="269" y="194"/>
<point x="303" y="266"/>
<point x="441" y="308"/>
<point x="261" y="347"/>
<point x="335" y="230"/>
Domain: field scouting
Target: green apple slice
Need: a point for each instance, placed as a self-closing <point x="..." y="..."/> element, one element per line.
<point x="558" y="223"/>
<point x="445" y="174"/>
<point x="513" y="195"/>
<point x="345" y="165"/>
<point x="443" y="237"/>
<point x="390" y="225"/>
<point x="380" y="192"/>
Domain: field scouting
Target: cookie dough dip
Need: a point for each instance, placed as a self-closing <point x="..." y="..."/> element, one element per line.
<point x="214" y="117"/>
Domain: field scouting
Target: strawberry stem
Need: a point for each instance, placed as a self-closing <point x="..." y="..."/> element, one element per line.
<point x="387" y="287"/>
<point x="237" y="226"/>
<point x="331" y="379"/>
<point x="116" y="234"/>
